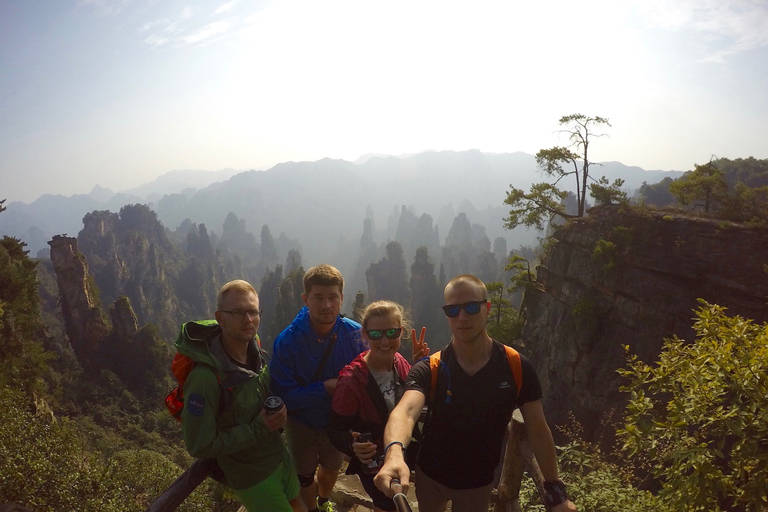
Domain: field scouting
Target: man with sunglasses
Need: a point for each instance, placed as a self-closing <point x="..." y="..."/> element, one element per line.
<point x="474" y="397"/>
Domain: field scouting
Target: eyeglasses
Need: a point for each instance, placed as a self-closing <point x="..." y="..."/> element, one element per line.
<point x="472" y="308"/>
<point x="391" y="333"/>
<point x="239" y="314"/>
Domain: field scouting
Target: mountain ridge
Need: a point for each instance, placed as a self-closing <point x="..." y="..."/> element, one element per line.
<point x="281" y="197"/>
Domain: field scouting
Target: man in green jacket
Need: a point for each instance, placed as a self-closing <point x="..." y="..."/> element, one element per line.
<point x="224" y="416"/>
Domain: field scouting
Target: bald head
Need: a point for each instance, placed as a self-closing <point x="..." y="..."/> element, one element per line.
<point x="466" y="282"/>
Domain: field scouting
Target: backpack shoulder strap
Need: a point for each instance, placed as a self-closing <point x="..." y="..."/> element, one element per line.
<point x="434" y="366"/>
<point x="435" y="363"/>
<point x="513" y="358"/>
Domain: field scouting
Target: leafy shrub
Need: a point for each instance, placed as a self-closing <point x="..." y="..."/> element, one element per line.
<point x="594" y="484"/>
<point x="701" y="413"/>
<point x="605" y="253"/>
<point x="47" y="467"/>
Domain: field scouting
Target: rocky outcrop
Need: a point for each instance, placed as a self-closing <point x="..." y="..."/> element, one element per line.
<point x="138" y="357"/>
<point x="619" y="278"/>
<point x="85" y="324"/>
<point x="125" y="324"/>
<point x="130" y="255"/>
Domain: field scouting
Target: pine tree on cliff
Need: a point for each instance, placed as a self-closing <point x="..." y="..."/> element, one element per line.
<point x="562" y="163"/>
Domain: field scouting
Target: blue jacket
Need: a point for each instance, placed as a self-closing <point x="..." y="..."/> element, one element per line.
<point x="295" y="357"/>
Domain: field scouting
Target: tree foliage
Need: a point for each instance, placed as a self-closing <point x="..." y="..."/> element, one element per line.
<point x="545" y="200"/>
<point x="701" y="414"/>
<point x="504" y="322"/>
<point x="47" y="467"/>
<point x="735" y="190"/>
<point x="595" y="483"/>
<point x="705" y="186"/>
<point x="522" y="277"/>
<point x="23" y="362"/>
<point x="657" y="194"/>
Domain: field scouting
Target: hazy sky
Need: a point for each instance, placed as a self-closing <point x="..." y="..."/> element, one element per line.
<point x="117" y="92"/>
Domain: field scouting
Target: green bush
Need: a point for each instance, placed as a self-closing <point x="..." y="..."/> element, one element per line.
<point x="606" y="253"/>
<point x="594" y="484"/>
<point x="47" y="466"/>
<point x="701" y="415"/>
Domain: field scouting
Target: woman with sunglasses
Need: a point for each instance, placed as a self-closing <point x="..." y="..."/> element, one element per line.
<point x="366" y="392"/>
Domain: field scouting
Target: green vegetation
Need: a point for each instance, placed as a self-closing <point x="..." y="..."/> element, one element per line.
<point x="504" y="321"/>
<point x="705" y="184"/>
<point x="523" y="277"/>
<point x="733" y="190"/>
<point x="605" y="253"/>
<point x="113" y="447"/>
<point x="695" y="430"/>
<point x="594" y="483"/>
<point x="701" y="415"/>
<point x="545" y="200"/>
<point x="48" y="467"/>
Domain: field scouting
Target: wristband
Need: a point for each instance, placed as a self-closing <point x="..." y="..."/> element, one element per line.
<point x="555" y="492"/>
<point x="390" y="444"/>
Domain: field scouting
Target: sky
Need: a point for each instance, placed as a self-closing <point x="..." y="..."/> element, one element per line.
<point x="118" y="92"/>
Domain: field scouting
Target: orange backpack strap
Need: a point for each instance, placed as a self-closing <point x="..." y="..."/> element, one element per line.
<point x="434" y="366"/>
<point x="181" y="366"/>
<point x="513" y="358"/>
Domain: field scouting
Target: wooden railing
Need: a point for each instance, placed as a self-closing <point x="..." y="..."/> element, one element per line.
<point x="518" y="457"/>
<point x="182" y="487"/>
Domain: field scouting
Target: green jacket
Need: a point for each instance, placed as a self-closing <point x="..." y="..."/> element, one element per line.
<point x="232" y="431"/>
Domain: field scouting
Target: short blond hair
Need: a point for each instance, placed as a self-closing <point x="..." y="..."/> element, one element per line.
<point x="323" y="275"/>
<point x="238" y="285"/>
<point x="384" y="308"/>
<point x="467" y="280"/>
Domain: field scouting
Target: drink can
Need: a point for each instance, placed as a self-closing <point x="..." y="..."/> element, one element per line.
<point x="273" y="404"/>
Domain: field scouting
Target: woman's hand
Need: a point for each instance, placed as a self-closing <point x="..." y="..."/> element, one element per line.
<point x="365" y="452"/>
<point x="420" y="347"/>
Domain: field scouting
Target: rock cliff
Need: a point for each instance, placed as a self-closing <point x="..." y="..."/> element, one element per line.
<point x="131" y="255"/>
<point x="621" y="278"/>
<point x="138" y="357"/>
<point x="85" y="324"/>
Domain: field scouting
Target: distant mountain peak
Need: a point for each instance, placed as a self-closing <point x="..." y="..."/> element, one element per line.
<point x="101" y="194"/>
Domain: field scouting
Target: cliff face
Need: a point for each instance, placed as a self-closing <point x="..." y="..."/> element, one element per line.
<point x="130" y="255"/>
<point x="618" y="278"/>
<point x="139" y="357"/>
<point x="83" y="318"/>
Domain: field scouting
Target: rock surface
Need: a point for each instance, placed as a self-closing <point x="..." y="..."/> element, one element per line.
<point x="83" y="318"/>
<point x="618" y="278"/>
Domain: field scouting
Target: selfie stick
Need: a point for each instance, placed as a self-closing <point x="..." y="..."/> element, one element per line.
<point x="401" y="502"/>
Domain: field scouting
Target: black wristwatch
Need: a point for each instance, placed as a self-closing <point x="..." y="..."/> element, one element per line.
<point x="555" y="492"/>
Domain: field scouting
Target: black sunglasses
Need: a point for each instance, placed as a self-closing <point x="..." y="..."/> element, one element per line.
<point x="472" y="308"/>
<point x="377" y="334"/>
<point x="239" y="314"/>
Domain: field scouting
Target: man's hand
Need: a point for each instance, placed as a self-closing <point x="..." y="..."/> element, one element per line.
<point x="330" y="386"/>
<point x="565" y="506"/>
<point x="420" y="347"/>
<point x="363" y="451"/>
<point x="394" y="467"/>
<point x="275" y="420"/>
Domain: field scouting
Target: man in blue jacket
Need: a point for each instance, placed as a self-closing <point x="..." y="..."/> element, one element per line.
<point x="306" y="361"/>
